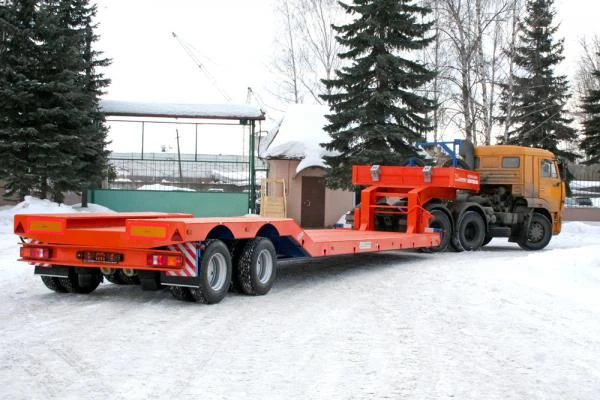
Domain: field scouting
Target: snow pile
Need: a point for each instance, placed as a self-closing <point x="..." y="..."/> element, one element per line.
<point x="165" y="188"/>
<point x="217" y="111"/>
<point x="239" y="178"/>
<point x="299" y="135"/>
<point x="33" y="205"/>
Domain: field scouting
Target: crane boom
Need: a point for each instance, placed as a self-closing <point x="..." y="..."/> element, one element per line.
<point x="192" y="54"/>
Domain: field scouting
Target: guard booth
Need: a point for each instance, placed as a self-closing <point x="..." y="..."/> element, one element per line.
<point x="192" y="158"/>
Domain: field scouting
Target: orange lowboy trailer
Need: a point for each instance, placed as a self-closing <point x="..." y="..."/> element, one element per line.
<point x="201" y="258"/>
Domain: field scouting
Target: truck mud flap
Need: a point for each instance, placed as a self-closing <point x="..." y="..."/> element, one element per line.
<point x="169" y="280"/>
<point x="58" y="271"/>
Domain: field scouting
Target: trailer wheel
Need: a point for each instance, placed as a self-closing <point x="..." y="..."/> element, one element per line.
<point x="258" y="266"/>
<point x="127" y="280"/>
<point x="440" y="221"/>
<point x="115" y="278"/>
<point x="181" y="293"/>
<point x="73" y="284"/>
<point x="53" y="284"/>
<point x="538" y="235"/>
<point x="215" y="274"/>
<point x="470" y="232"/>
<point x="236" y="249"/>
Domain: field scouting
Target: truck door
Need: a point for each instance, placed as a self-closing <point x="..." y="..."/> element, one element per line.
<point x="551" y="185"/>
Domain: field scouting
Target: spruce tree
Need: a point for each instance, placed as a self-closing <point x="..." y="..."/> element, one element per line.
<point x="377" y="112"/>
<point x="591" y="125"/>
<point x="539" y="96"/>
<point x="20" y="138"/>
<point x="73" y="89"/>
<point x="65" y="148"/>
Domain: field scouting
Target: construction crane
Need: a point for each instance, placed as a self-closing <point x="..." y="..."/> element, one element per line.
<point x="191" y="52"/>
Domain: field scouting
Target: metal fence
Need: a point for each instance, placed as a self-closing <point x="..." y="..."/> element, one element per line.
<point x="188" y="172"/>
<point x="585" y="185"/>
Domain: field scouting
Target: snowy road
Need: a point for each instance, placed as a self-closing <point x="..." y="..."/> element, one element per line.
<point x="500" y="323"/>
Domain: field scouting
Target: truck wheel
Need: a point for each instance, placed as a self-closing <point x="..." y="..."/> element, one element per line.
<point x="72" y="284"/>
<point x="440" y="222"/>
<point x="258" y="266"/>
<point x="53" y="284"/>
<point x="487" y="239"/>
<point x="181" y="293"/>
<point x="470" y="232"/>
<point x="215" y="274"/>
<point x="538" y="235"/>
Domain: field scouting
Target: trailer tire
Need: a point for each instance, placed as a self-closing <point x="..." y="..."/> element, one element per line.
<point x="181" y="293"/>
<point x="236" y="249"/>
<point x="470" y="232"/>
<point x="214" y="274"/>
<point x="127" y="280"/>
<point x="53" y="284"/>
<point x="258" y="267"/>
<point x="440" y="220"/>
<point x="72" y="284"/>
<point x="538" y="234"/>
<point x="115" y="278"/>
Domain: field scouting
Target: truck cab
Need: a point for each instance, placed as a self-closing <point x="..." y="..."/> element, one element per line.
<point x="521" y="179"/>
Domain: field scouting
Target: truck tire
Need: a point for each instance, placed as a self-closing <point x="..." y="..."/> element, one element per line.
<point x="470" y="232"/>
<point x="487" y="240"/>
<point x="181" y="293"/>
<point x="73" y="285"/>
<point x="215" y="274"/>
<point x="538" y="234"/>
<point x="257" y="267"/>
<point x="440" y="221"/>
<point x="53" y="284"/>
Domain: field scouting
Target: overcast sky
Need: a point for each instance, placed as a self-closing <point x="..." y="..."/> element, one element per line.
<point x="234" y="40"/>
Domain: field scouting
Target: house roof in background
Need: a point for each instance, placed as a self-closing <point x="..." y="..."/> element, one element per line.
<point x="298" y="137"/>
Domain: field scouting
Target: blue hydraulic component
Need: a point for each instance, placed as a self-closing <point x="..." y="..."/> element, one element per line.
<point x="453" y="152"/>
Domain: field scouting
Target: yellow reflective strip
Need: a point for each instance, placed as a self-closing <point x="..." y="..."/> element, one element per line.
<point x="149" y="231"/>
<point x="45" y="226"/>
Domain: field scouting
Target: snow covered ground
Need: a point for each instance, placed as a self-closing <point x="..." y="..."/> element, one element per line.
<point x="500" y="323"/>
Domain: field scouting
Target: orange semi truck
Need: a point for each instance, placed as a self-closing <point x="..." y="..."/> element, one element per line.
<point x="513" y="192"/>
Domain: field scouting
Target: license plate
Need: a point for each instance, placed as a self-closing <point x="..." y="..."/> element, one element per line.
<point x="104" y="257"/>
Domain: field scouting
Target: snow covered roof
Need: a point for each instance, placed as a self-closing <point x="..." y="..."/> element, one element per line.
<point x="172" y="110"/>
<point x="298" y="137"/>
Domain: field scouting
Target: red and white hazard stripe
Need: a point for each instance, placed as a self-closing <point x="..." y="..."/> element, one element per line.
<point x="190" y="257"/>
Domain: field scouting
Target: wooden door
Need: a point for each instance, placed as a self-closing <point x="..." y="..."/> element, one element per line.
<point x="312" y="214"/>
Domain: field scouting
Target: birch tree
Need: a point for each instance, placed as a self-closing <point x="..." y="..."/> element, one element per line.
<point x="307" y="49"/>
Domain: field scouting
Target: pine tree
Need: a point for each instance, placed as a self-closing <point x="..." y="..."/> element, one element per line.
<point x="539" y="96"/>
<point x="591" y="125"/>
<point x="378" y="115"/>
